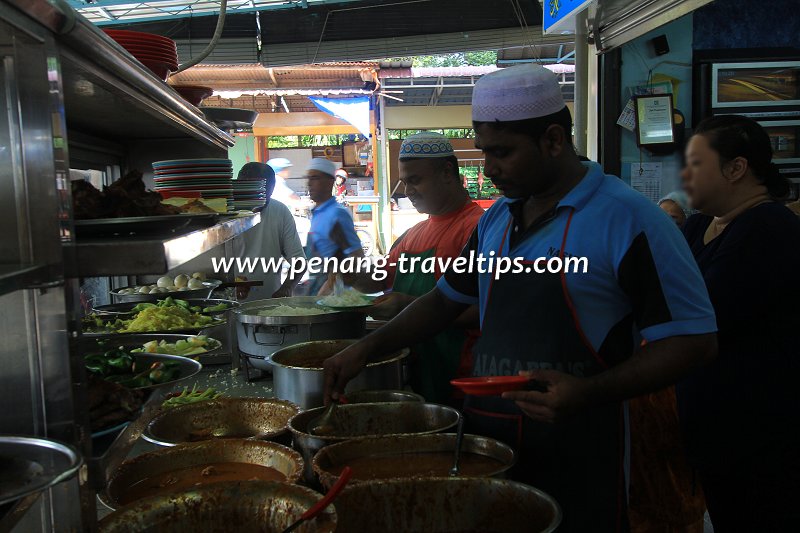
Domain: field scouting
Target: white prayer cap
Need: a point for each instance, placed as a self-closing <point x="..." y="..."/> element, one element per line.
<point x="326" y="166"/>
<point x="426" y="144"/>
<point x="279" y="163"/>
<point x="516" y="93"/>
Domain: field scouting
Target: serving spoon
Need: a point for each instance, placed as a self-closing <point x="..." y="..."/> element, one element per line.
<point x="327" y="423"/>
<point x="459" y="440"/>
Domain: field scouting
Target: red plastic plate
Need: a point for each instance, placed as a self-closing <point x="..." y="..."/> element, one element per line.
<point x="133" y="36"/>
<point x="156" y="59"/>
<point x="152" y="46"/>
<point x="171" y="58"/>
<point x="490" y="385"/>
<point x="159" y="68"/>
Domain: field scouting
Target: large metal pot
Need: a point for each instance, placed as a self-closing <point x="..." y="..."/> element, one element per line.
<point x="252" y="452"/>
<point x="243" y="507"/>
<point x="298" y="376"/>
<point x="260" y="418"/>
<point x="438" y="505"/>
<point x="405" y="451"/>
<point x="261" y="336"/>
<point x="370" y="420"/>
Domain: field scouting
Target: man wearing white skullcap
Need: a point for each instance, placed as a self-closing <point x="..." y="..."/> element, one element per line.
<point x="332" y="232"/>
<point x="429" y="171"/>
<point x="626" y="274"/>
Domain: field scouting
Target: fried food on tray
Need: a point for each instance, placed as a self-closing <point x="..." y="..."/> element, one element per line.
<point x="110" y="404"/>
<point x="126" y="197"/>
<point x="197" y="207"/>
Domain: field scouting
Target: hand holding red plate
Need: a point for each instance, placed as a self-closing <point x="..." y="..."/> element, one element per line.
<point x="562" y="395"/>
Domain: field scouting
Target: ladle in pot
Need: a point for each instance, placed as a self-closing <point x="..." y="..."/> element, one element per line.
<point x="459" y="440"/>
<point x="327" y="424"/>
<point x="320" y="506"/>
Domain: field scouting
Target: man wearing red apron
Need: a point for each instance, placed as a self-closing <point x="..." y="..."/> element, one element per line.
<point x="575" y="330"/>
<point x="429" y="171"/>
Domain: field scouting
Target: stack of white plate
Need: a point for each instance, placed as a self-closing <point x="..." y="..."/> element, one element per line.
<point x="248" y="194"/>
<point x="194" y="178"/>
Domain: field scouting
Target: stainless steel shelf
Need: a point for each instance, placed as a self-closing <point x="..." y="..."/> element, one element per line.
<point x="107" y="92"/>
<point x="148" y="255"/>
<point x="16" y="277"/>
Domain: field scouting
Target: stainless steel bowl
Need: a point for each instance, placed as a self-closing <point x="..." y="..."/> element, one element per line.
<point x="370" y="420"/>
<point x="132" y="341"/>
<point x="330" y="459"/>
<point x="244" y="507"/>
<point x="188" y="367"/>
<point x="31" y="465"/>
<point x="205" y="292"/>
<point x="258" y="418"/>
<point x="383" y="396"/>
<point x="438" y="505"/>
<point x="298" y="376"/>
<point x="133" y="471"/>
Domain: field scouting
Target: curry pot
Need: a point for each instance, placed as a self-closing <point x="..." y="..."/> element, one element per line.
<point x="383" y="396"/>
<point x="243" y="507"/>
<point x="439" y="505"/>
<point x="370" y="420"/>
<point x="327" y="460"/>
<point x="298" y="376"/>
<point x="285" y="460"/>
<point x="259" y="418"/>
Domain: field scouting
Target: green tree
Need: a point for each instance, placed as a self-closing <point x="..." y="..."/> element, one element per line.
<point x="460" y="59"/>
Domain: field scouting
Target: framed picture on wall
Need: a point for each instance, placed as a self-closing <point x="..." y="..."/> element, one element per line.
<point x="654" y="120"/>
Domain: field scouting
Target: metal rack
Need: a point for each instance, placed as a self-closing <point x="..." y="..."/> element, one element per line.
<point x="149" y="255"/>
<point x="65" y="87"/>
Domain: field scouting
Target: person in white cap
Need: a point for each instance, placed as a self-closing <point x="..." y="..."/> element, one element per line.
<point x="574" y="332"/>
<point x="283" y="193"/>
<point x="332" y="231"/>
<point x="429" y="171"/>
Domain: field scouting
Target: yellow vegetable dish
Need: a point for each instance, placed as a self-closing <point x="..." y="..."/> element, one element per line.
<point x="166" y="318"/>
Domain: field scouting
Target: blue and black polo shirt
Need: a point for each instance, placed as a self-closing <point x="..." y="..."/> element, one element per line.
<point x="641" y="276"/>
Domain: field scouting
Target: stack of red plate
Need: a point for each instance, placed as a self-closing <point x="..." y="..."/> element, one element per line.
<point x="157" y="53"/>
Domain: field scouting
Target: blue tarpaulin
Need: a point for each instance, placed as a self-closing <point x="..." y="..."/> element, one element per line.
<point x="354" y="111"/>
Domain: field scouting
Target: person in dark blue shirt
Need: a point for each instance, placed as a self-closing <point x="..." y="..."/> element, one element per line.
<point x="740" y="414"/>
<point x="577" y="335"/>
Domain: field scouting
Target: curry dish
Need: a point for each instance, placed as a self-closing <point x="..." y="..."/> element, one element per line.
<point x="424" y="464"/>
<point x="195" y="476"/>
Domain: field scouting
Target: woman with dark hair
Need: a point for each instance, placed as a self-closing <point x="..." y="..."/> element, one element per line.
<point x="740" y="413"/>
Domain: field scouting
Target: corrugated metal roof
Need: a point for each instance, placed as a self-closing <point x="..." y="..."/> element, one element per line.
<point x="293" y="92"/>
<point x="255" y="77"/>
<point x="241" y="50"/>
<point x="102" y="12"/>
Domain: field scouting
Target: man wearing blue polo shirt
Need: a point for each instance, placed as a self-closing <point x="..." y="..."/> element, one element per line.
<point x="332" y="232"/>
<point x="577" y="335"/>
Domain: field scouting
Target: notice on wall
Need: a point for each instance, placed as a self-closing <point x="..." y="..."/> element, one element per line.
<point x="646" y="178"/>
